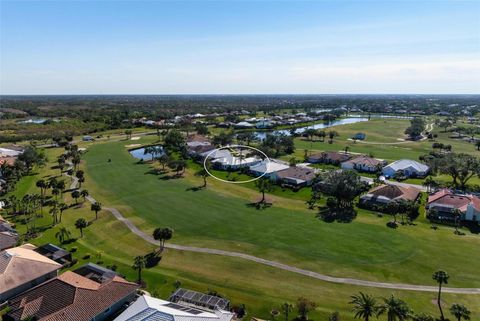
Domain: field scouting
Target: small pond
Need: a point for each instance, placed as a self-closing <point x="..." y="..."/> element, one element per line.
<point x="139" y="153"/>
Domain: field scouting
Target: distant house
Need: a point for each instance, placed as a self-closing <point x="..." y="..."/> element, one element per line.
<point x="264" y="124"/>
<point x="10" y="152"/>
<point x="295" y="176"/>
<point x="146" y="308"/>
<point x="359" y="136"/>
<point x="363" y="164"/>
<point x="244" y="124"/>
<point x="269" y="168"/>
<point x="55" y="253"/>
<point x="87" y="138"/>
<point x="231" y="162"/>
<point x="197" y="140"/>
<point x="199" y="150"/>
<point x="21" y="268"/>
<point x="329" y="158"/>
<point x="385" y="194"/>
<point x="74" y="296"/>
<point x="407" y="167"/>
<point x="442" y="204"/>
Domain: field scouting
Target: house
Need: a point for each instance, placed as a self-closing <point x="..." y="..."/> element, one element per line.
<point x="264" y="124"/>
<point x="199" y="150"/>
<point x="407" y="167"/>
<point x="329" y="158"/>
<point x="363" y="164"/>
<point x="442" y="204"/>
<point x="9" y="152"/>
<point x="268" y="167"/>
<point x="197" y="140"/>
<point x="231" y="162"/>
<point x="359" y="136"/>
<point x="8" y="235"/>
<point x="385" y="194"/>
<point x="96" y="294"/>
<point x="199" y="300"/>
<point x="55" y="253"/>
<point x="295" y="176"/>
<point x="244" y="124"/>
<point x="21" y="268"/>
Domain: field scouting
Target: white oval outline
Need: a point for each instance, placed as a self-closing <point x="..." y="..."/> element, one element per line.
<point x="233" y="146"/>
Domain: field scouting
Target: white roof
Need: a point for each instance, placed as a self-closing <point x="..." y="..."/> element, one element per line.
<point x="146" y="308"/>
<point x="216" y="153"/>
<point x="5" y="152"/>
<point x="231" y="160"/>
<point x="244" y="124"/>
<point x="403" y="164"/>
<point x="269" y="166"/>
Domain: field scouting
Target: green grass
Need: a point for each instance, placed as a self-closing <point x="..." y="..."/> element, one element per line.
<point x="212" y="217"/>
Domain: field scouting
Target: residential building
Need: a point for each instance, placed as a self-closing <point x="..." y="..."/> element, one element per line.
<point x="441" y="205"/>
<point x="295" y="176"/>
<point x="21" y="268"/>
<point x="244" y="124"/>
<point x="334" y="158"/>
<point x="8" y="235"/>
<point x="363" y="164"/>
<point x="197" y="140"/>
<point x="406" y="167"/>
<point x="91" y="293"/>
<point x="385" y="194"/>
<point x="55" y="253"/>
<point x="268" y="168"/>
<point x="231" y="162"/>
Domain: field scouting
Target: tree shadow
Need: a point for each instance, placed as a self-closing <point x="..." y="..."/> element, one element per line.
<point x="259" y="205"/>
<point x="195" y="188"/>
<point x="169" y="177"/>
<point x="330" y="215"/>
<point x="152" y="259"/>
<point x="474" y="228"/>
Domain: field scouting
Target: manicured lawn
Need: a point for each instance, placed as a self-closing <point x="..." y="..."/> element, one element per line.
<point x="219" y="217"/>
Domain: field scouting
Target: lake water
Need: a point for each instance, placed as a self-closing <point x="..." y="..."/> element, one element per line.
<point x="139" y="153"/>
<point x="343" y="121"/>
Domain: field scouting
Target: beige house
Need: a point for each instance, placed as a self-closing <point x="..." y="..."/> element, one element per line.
<point x="21" y="268"/>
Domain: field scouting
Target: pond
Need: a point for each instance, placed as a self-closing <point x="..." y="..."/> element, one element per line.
<point x="343" y="121"/>
<point x="139" y="153"/>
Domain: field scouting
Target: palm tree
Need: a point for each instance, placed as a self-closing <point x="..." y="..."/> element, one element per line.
<point x="84" y="194"/>
<point x="42" y="185"/>
<point x="396" y="309"/>
<point x="54" y="212"/>
<point x="460" y="312"/>
<point x="204" y="174"/>
<point x="62" y="207"/>
<point x="364" y="305"/>
<point x="457" y="214"/>
<point x="63" y="234"/>
<point x="149" y="150"/>
<point x="263" y="185"/>
<point x="162" y="235"/>
<point x="442" y="278"/>
<point x="80" y="224"/>
<point x="96" y="207"/>
<point x="304" y="306"/>
<point x="138" y="265"/>
<point x="76" y="195"/>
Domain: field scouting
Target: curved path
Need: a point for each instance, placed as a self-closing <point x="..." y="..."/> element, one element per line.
<point x="396" y="286"/>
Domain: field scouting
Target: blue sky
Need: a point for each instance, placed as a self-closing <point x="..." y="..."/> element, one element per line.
<point x="208" y="47"/>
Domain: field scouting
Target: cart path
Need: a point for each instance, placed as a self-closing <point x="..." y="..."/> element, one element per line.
<point x="323" y="277"/>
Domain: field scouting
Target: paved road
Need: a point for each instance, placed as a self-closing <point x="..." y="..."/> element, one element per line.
<point x="396" y="286"/>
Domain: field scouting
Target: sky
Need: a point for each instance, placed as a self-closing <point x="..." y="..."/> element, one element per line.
<point x="239" y="47"/>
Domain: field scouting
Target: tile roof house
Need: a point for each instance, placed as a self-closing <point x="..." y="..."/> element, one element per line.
<point x="329" y="158"/>
<point x="445" y="201"/>
<point x="73" y="297"/>
<point x="8" y="235"/>
<point x="363" y="164"/>
<point x="409" y="168"/>
<point x="384" y="194"/>
<point x="146" y="308"/>
<point x="21" y="268"/>
<point x="296" y="176"/>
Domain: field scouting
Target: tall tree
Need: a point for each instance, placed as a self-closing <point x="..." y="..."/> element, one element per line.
<point x="139" y="263"/>
<point x="76" y="195"/>
<point x="395" y="309"/>
<point x="442" y="278"/>
<point x="80" y="224"/>
<point x="63" y="235"/>
<point x="162" y="234"/>
<point x="263" y="185"/>
<point x="364" y="306"/>
<point x="96" y="207"/>
<point x="286" y="308"/>
<point x="460" y="312"/>
<point x="304" y="306"/>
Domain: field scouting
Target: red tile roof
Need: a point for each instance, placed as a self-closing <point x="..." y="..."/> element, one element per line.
<point x="396" y="192"/>
<point x="70" y="297"/>
<point x="447" y="198"/>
